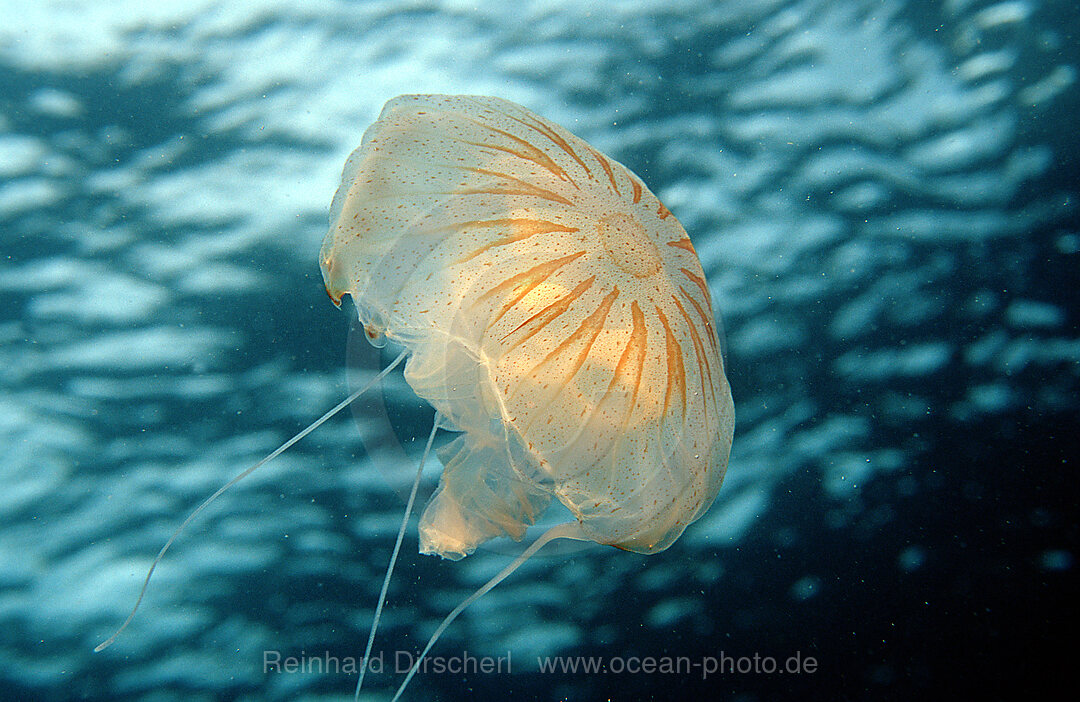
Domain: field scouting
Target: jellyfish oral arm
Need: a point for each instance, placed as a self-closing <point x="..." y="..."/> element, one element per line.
<point x="206" y="503"/>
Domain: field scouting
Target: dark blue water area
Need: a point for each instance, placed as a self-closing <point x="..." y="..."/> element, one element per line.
<point x="884" y="199"/>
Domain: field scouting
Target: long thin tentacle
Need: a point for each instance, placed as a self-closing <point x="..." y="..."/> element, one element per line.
<point x="393" y="557"/>
<point x="567" y="530"/>
<point x="206" y="503"/>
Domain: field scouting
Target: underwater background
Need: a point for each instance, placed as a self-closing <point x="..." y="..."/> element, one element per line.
<point x="884" y="198"/>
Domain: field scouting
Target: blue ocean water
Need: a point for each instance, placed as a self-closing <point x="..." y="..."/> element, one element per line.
<point x="883" y="195"/>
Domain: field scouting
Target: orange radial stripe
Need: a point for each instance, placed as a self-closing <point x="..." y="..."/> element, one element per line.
<point x="555" y="139"/>
<point x="706" y="319"/>
<point x="699" y="282"/>
<point x="637" y="190"/>
<point x="531" y="152"/>
<point x="676" y="369"/>
<point x="553" y="168"/>
<point x="628" y="371"/>
<point x="634" y="354"/>
<point x="549" y="314"/>
<point x="521" y="229"/>
<point x="683" y="244"/>
<point x="699" y="350"/>
<point x="607" y="169"/>
<point x="588" y="331"/>
<point x="527" y="281"/>
<point x="526" y="191"/>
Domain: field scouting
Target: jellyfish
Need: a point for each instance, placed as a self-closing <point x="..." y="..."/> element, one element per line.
<point x="554" y="313"/>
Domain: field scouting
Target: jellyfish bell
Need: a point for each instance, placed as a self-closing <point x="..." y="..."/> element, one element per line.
<point x="552" y="310"/>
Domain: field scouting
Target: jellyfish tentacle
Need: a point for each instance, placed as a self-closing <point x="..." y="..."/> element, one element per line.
<point x="566" y="530"/>
<point x="393" y="556"/>
<point x="206" y="503"/>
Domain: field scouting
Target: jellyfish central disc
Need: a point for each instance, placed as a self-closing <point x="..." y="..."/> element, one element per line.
<point x="629" y="245"/>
